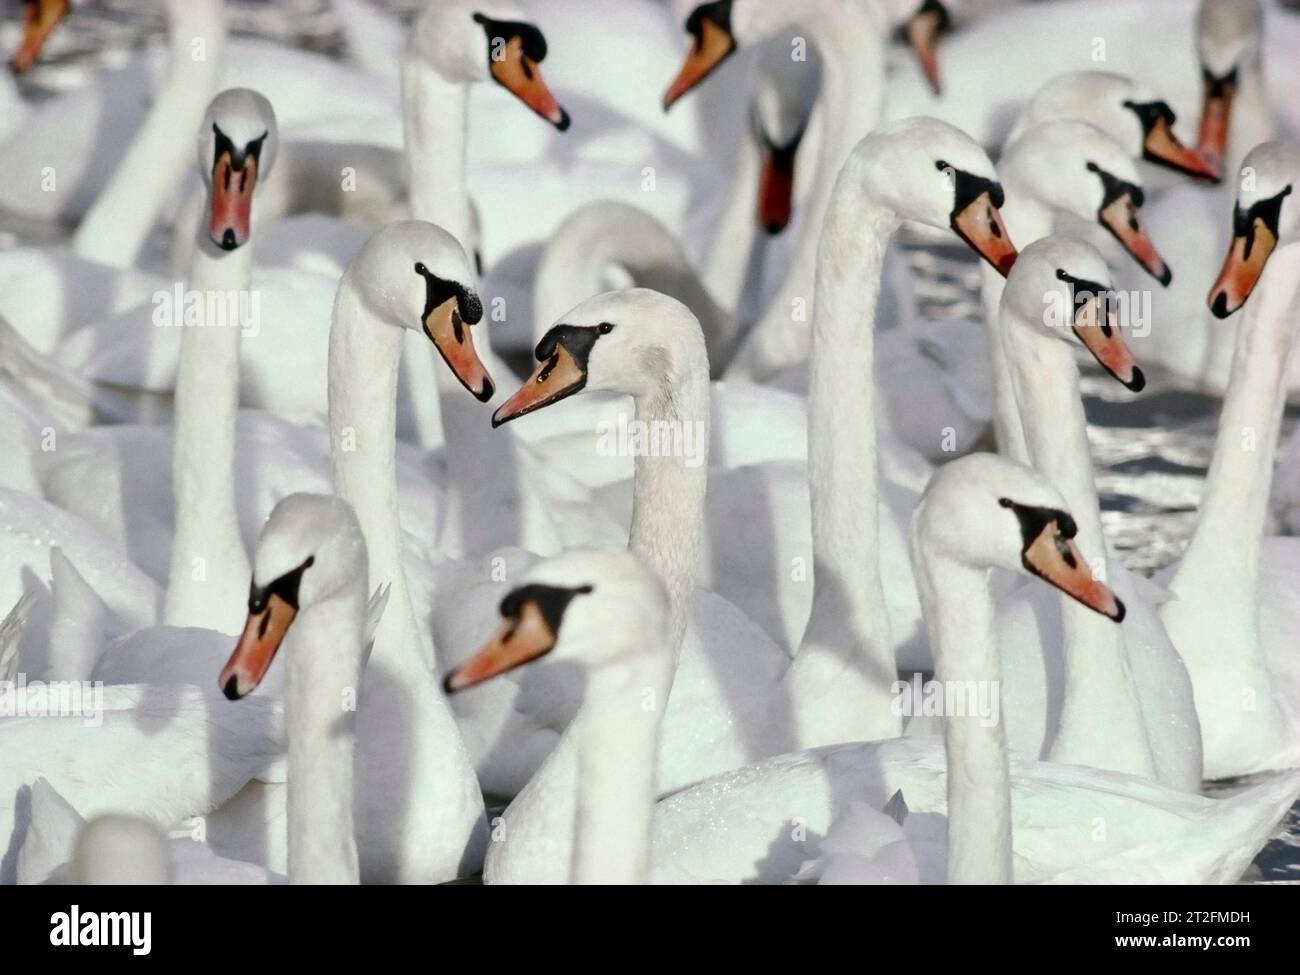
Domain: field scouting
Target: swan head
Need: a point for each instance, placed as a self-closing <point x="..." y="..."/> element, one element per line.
<point x="311" y="548"/>
<point x="237" y="144"/>
<point x="1074" y="166"/>
<point x="930" y="172"/>
<point x="985" y="511"/>
<point x="719" y="28"/>
<point x="115" y="848"/>
<point x="40" y="17"/>
<point x="1228" y="39"/>
<point x="1064" y="290"/>
<point x="413" y="274"/>
<point x="638" y="342"/>
<point x="600" y="609"/>
<point x="1267" y="216"/>
<point x="1141" y="122"/>
<point x="473" y="41"/>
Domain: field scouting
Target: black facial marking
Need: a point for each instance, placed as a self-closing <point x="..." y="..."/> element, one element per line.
<point x="1268" y="211"/>
<point x="237" y="155"/>
<point x="1152" y="113"/>
<point x="1083" y="290"/>
<point x="718" y="11"/>
<point x="551" y="601"/>
<point x="1034" y="519"/>
<point x="967" y="188"/>
<point x="534" y="42"/>
<point x="438" y="290"/>
<point x="286" y="587"/>
<point x="578" y="340"/>
<point x="1218" y="86"/>
<point x="1113" y="188"/>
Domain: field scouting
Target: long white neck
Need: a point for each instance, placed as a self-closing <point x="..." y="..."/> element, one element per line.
<point x="617" y="734"/>
<point x="324" y="659"/>
<point x="736" y="237"/>
<point x="1101" y="720"/>
<point x="850" y="38"/>
<point x="1252" y="116"/>
<point x="363" y="362"/>
<point x="116" y="226"/>
<point x="960" y="618"/>
<point x="1221" y="566"/>
<point x="208" y="580"/>
<point x="434" y="119"/>
<point x="847" y="651"/>
<point x="1027" y="219"/>
<point x="668" y="485"/>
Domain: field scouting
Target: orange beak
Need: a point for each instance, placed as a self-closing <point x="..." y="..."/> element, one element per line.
<point x="451" y="336"/>
<point x="231" y="216"/>
<point x="1163" y="147"/>
<point x="522" y="76"/>
<point x="980" y="225"/>
<point x="923" y="32"/>
<point x="1057" y="561"/>
<point x="713" y="45"/>
<point x="257" y="647"/>
<point x="555" y="377"/>
<point x="40" y="17"/>
<point x="515" y="643"/>
<point x="1216" y="116"/>
<point x="1123" y="218"/>
<point x="776" y="186"/>
<point x="1242" y="268"/>
<point x="1107" y="346"/>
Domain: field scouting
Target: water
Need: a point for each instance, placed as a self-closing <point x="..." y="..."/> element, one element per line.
<point x="1151" y="452"/>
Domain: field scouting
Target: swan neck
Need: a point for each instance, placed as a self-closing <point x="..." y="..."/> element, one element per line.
<point x="434" y="117"/>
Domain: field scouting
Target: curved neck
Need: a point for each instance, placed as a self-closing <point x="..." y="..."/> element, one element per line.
<point x="364" y="355"/>
<point x="1101" y="720"/>
<point x="1027" y="219"/>
<point x="434" y="118"/>
<point x="116" y="226"/>
<point x="960" y="619"/>
<point x="617" y="734"/>
<point x="848" y="628"/>
<point x="668" y="485"/>
<point x="737" y="236"/>
<point x="851" y="42"/>
<point x="208" y="580"/>
<point x="324" y="666"/>
<point x="1252" y="115"/>
<point x="1222" y="559"/>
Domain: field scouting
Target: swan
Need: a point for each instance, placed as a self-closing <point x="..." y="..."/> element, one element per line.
<point x="309" y="590"/>
<point x="410" y="275"/>
<point x="1057" y="168"/>
<point x="606" y="613"/>
<point x="1232" y="613"/>
<point x="236" y="147"/>
<point x="1135" y="713"/>
<point x="1006" y="819"/>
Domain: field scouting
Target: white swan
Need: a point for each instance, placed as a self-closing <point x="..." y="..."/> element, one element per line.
<point x="606" y="613"/>
<point x="1233" y="614"/>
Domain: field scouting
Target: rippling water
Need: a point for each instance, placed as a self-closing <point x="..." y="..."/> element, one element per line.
<point x="1150" y="452"/>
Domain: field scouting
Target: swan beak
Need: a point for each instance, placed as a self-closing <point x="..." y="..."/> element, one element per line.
<point x="257" y="646"/>
<point x="521" y="76"/>
<point x="980" y="225"/>
<point x="516" y="641"/>
<point x="231" y="217"/>
<point x="1124" y="220"/>
<point x="713" y="45"/>
<point x="923" y="32"/>
<point x="451" y="336"/>
<point x="1163" y="147"/>
<point x="40" y="17"/>
<point x="557" y="376"/>
<point x="776" y="186"/>
<point x="1242" y="268"/>
<point x="1107" y="346"/>
<point x="1057" y="560"/>
<point x="1216" y="115"/>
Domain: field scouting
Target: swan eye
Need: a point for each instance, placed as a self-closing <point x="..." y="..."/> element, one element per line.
<point x="604" y="328"/>
<point x="420" y="268"/>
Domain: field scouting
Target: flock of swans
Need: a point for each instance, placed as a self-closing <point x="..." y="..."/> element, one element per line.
<point x="353" y="603"/>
